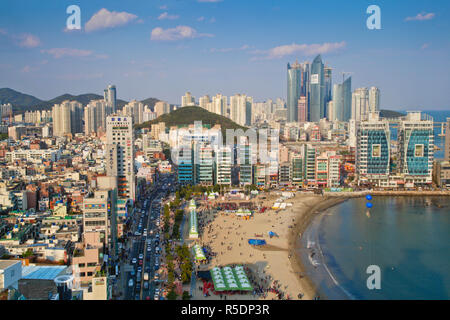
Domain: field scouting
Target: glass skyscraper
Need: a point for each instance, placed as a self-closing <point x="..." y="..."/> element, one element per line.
<point x="342" y="100"/>
<point x="317" y="90"/>
<point x="294" y="79"/>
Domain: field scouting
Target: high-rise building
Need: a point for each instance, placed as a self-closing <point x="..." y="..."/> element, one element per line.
<point x="110" y="96"/>
<point x="342" y="100"/>
<point x="120" y="154"/>
<point x="245" y="161"/>
<point x="317" y="90"/>
<point x="223" y="165"/>
<point x="134" y="109"/>
<point x="373" y="151"/>
<point x="297" y="170"/>
<point x="204" y="101"/>
<point x="294" y="78"/>
<point x="185" y="161"/>
<point x="161" y="107"/>
<point x="447" y="141"/>
<point x="187" y="100"/>
<point x="360" y="104"/>
<point x="328" y="86"/>
<point x="219" y="105"/>
<point x="238" y="105"/>
<point x="95" y="114"/>
<point x="204" y="164"/>
<point x="302" y="109"/>
<point x="67" y="118"/>
<point x="374" y="99"/>
<point x="416" y="149"/>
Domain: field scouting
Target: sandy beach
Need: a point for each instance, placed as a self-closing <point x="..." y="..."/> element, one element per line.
<point x="275" y="266"/>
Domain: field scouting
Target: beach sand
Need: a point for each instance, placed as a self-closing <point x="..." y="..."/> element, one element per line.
<point x="227" y="235"/>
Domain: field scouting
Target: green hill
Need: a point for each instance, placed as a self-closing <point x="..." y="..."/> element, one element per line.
<point x="391" y="114"/>
<point x="188" y="115"/>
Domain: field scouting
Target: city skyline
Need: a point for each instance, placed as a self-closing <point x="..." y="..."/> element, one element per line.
<point x="166" y="48"/>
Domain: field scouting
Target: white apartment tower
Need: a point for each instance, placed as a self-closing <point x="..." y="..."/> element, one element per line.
<point x="187" y="100"/>
<point x="360" y="104"/>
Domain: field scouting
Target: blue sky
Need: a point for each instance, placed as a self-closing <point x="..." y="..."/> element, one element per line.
<point x="162" y="48"/>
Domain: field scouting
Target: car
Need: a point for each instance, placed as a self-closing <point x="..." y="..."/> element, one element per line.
<point x="130" y="283"/>
<point x="141" y="256"/>
<point x="156" y="297"/>
<point x="146" y="285"/>
<point x="138" y="286"/>
<point x="136" y="297"/>
<point x="156" y="266"/>
<point x="133" y="273"/>
<point x="140" y="262"/>
<point x="134" y="261"/>
<point x="139" y="269"/>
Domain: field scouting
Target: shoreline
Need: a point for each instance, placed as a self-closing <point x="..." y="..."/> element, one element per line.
<point x="303" y="221"/>
<point x="316" y="210"/>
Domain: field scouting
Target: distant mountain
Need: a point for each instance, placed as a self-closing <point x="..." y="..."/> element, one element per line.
<point x="23" y="102"/>
<point x="188" y="115"/>
<point x="150" y="102"/>
<point x="18" y="99"/>
<point x="391" y="114"/>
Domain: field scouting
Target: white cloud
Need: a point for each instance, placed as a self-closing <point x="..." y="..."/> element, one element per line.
<point x="424" y="46"/>
<point x="201" y="18"/>
<point x="224" y="50"/>
<point x="166" y="15"/>
<point x="164" y="7"/>
<point x="421" y="17"/>
<point x="304" y="49"/>
<point x="105" y="19"/>
<point x="28" y="41"/>
<point x="58" y="53"/>
<point x="178" y="33"/>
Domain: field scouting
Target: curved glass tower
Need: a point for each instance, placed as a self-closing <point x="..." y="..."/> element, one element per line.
<point x="317" y="87"/>
<point x="294" y="76"/>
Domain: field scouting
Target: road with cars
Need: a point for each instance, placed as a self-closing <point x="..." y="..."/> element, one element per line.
<point x="142" y="281"/>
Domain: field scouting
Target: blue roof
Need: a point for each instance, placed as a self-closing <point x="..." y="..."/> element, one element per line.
<point x="42" y="272"/>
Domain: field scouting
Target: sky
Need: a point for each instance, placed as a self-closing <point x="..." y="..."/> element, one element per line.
<point x="163" y="48"/>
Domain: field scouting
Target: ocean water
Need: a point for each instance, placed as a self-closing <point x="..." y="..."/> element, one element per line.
<point x="407" y="237"/>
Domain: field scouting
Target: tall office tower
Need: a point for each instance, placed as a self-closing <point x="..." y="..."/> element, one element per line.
<point x="342" y="100"/>
<point x="95" y="115"/>
<point x="416" y="149"/>
<point x="373" y="151"/>
<point x="110" y="96"/>
<point x="374" y="99"/>
<point x="187" y="100"/>
<point x="302" y="109"/>
<point x="360" y="104"/>
<point x="204" y="164"/>
<point x="447" y="141"/>
<point x="328" y="86"/>
<point x="223" y="165"/>
<point x="248" y="111"/>
<point x="317" y="90"/>
<point x="67" y="118"/>
<point x="134" y="109"/>
<point x="294" y="78"/>
<point x="219" y="104"/>
<point x="161" y="107"/>
<point x="351" y="142"/>
<point x="203" y="102"/>
<point x="245" y="162"/>
<point x="120" y="154"/>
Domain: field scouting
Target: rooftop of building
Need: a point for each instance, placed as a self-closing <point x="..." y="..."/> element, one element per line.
<point x="42" y="272"/>
<point x="7" y="263"/>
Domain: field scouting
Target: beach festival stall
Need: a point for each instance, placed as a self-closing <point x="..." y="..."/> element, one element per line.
<point x="198" y="253"/>
<point x="193" y="227"/>
<point x="230" y="279"/>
